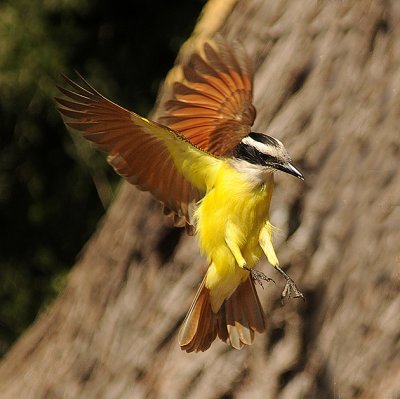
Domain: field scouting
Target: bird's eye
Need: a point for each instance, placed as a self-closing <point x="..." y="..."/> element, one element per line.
<point x="269" y="159"/>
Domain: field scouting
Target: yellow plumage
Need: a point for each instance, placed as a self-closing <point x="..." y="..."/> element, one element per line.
<point x="232" y="219"/>
<point x="233" y="211"/>
<point x="211" y="172"/>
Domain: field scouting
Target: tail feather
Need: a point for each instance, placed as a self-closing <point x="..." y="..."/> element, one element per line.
<point x="235" y="323"/>
<point x="243" y="327"/>
<point x="198" y="330"/>
<point x="222" y="331"/>
<point x="233" y="333"/>
<point x="253" y="311"/>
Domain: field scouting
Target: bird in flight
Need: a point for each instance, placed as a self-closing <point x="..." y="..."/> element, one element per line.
<point x="213" y="174"/>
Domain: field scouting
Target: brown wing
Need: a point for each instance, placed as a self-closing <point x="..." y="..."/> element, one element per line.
<point x="137" y="148"/>
<point x="212" y="107"/>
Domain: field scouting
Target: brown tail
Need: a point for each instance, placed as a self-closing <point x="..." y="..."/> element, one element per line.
<point x="235" y="323"/>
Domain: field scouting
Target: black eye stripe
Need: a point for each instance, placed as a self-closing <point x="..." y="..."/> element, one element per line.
<point x="251" y="154"/>
<point x="269" y="158"/>
<point x="247" y="153"/>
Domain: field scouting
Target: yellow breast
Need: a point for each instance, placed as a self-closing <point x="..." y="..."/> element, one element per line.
<point x="233" y="206"/>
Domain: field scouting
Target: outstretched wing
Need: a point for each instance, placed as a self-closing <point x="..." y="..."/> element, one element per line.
<point x="212" y="107"/>
<point x="149" y="155"/>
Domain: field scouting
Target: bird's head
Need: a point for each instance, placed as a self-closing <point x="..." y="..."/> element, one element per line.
<point x="261" y="153"/>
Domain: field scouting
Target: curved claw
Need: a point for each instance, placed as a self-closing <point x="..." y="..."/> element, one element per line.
<point x="259" y="277"/>
<point x="290" y="287"/>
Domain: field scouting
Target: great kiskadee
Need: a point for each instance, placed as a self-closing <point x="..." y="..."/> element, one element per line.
<point x="213" y="175"/>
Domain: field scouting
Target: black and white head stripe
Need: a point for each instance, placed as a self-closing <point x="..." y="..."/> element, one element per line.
<point x="254" y="152"/>
<point x="261" y="149"/>
<point x="265" y="144"/>
<point x="248" y="153"/>
<point x="265" y="152"/>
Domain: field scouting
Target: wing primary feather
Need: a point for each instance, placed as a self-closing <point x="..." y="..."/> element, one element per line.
<point x="89" y="87"/>
<point x="221" y="69"/>
<point x="87" y="93"/>
<point x="197" y="69"/>
<point x="230" y="58"/>
<point x="74" y="96"/>
<point x="201" y="89"/>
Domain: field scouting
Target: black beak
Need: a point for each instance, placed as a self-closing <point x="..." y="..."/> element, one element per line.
<point x="288" y="168"/>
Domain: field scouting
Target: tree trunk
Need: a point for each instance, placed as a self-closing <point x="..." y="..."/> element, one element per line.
<point x="327" y="85"/>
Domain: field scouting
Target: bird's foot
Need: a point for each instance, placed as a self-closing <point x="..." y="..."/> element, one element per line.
<point x="290" y="287"/>
<point x="259" y="277"/>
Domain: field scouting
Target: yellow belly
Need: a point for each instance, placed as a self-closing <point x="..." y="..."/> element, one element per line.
<point x="236" y="208"/>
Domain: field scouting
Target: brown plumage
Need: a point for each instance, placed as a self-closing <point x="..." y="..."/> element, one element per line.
<point x="235" y="323"/>
<point x="211" y="107"/>
<point x="130" y="145"/>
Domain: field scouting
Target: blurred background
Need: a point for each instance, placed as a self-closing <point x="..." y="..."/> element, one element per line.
<point x="53" y="192"/>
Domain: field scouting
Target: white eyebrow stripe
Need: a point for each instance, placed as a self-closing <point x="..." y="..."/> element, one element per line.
<point x="266" y="149"/>
<point x="254" y="143"/>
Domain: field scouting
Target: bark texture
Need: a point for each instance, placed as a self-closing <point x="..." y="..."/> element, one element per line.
<point x="327" y="85"/>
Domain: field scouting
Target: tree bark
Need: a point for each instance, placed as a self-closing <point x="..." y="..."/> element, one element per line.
<point x="328" y="85"/>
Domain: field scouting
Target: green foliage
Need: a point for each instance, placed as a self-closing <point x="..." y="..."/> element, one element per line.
<point x="50" y="184"/>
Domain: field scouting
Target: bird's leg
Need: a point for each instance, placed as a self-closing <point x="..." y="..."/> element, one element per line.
<point x="289" y="287"/>
<point x="237" y="254"/>
<point x="265" y="241"/>
<point x="259" y="277"/>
